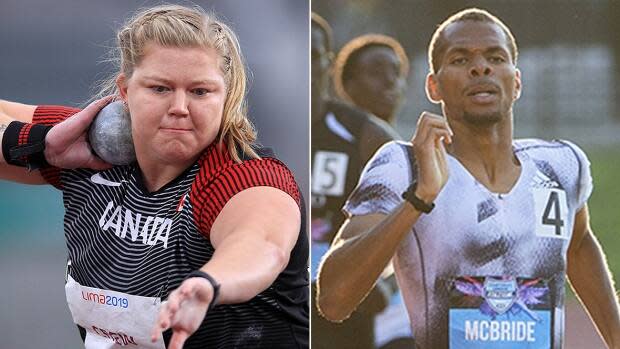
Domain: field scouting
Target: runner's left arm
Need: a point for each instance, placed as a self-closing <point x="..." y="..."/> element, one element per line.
<point x="593" y="283"/>
<point x="253" y="237"/>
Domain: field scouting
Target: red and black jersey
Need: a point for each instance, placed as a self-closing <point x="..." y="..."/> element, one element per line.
<point x="123" y="238"/>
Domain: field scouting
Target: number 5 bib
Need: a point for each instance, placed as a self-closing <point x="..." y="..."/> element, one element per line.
<point x="329" y="173"/>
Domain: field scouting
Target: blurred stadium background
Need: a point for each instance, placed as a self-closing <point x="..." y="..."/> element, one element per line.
<point x="51" y="54"/>
<point x="569" y="56"/>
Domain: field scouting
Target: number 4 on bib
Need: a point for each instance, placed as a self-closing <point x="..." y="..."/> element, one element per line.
<point x="551" y="213"/>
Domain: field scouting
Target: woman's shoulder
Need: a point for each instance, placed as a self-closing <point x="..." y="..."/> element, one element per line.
<point x="220" y="172"/>
<point x="221" y="177"/>
<point x="217" y="161"/>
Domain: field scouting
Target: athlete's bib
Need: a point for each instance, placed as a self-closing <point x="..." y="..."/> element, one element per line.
<point x="329" y="173"/>
<point x="113" y="320"/>
<point x="500" y="313"/>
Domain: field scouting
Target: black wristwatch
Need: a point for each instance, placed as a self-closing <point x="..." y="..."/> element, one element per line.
<point x="415" y="201"/>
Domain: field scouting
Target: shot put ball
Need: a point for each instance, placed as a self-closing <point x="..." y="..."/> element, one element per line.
<point x="110" y="135"/>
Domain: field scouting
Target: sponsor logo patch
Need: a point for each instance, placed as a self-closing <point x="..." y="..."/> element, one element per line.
<point x="500" y="295"/>
<point x="500" y="313"/>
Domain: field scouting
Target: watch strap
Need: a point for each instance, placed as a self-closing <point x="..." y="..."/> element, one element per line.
<point x="214" y="284"/>
<point x="416" y="202"/>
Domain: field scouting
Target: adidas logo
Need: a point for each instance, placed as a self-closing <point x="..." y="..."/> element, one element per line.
<point x="540" y="180"/>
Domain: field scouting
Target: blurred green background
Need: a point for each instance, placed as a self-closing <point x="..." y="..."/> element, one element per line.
<point x="604" y="203"/>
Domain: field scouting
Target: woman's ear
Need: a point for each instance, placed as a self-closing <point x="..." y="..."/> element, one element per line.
<point x="121" y="84"/>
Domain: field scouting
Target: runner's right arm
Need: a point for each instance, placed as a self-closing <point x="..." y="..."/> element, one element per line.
<point x="365" y="244"/>
<point x="362" y="249"/>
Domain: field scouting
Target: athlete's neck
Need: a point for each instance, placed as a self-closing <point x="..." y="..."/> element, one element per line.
<point x="486" y="152"/>
<point x="157" y="174"/>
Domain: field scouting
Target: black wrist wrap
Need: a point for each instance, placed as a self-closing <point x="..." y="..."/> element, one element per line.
<point x="23" y="145"/>
<point x="214" y="284"/>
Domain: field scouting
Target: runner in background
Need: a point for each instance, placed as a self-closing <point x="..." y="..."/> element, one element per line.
<point x="343" y="139"/>
<point x="370" y="71"/>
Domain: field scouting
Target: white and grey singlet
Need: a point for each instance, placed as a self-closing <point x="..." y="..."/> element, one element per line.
<point x="483" y="269"/>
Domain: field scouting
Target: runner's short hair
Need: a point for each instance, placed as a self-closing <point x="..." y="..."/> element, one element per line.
<point x="436" y="47"/>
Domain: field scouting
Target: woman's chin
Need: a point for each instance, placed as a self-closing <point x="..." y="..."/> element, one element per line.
<point x="173" y="153"/>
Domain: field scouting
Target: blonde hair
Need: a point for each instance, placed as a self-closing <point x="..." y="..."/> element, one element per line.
<point x="345" y="56"/>
<point x="179" y="26"/>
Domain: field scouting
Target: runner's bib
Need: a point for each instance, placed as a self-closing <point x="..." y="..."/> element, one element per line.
<point x="113" y="320"/>
<point x="500" y="313"/>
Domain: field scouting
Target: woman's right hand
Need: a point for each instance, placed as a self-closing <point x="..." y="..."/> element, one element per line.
<point x="428" y="141"/>
<point x="184" y="311"/>
<point x="66" y="144"/>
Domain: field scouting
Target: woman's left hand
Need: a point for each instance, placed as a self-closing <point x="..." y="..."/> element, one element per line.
<point x="66" y="144"/>
<point x="184" y="311"/>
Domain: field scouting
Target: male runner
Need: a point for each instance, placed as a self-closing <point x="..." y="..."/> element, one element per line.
<point x="483" y="228"/>
<point x="343" y="139"/>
